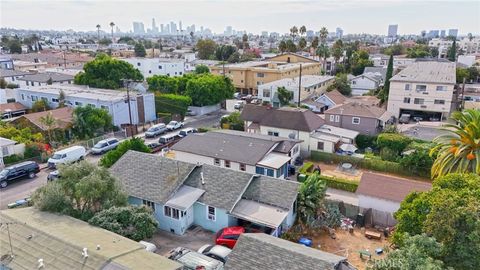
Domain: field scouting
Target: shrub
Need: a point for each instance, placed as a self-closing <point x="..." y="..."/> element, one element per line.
<point x="111" y="157"/>
<point x="12" y="159"/>
<point x="393" y="141"/>
<point x="364" y="141"/>
<point x="12" y="86"/>
<point x="388" y="154"/>
<point x="339" y="183"/>
<point x="171" y="103"/>
<point x="306" y="168"/>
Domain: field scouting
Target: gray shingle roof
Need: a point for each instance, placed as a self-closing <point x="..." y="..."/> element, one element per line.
<point x="5" y="73"/>
<point x="272" y="191"/>
<point x="44" y="77"/>
<point x="265" y="252"/>
<point x="285" y="117"/>
<point x="223" y="187"/>
<point x="150" y="177"/>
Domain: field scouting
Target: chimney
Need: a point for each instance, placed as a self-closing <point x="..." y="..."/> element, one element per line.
<point x="84" y="253"/>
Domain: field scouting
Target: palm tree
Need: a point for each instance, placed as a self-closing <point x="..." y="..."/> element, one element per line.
<point x="323" y="35"/>
<point x="112" y="25"/>
<point x="459" y="149"/>
<point x="282" y="46"/>
<point x="303" y="30"/>
<point x="323" y="41"/>
<point x="323" y="51"/>
<point x="293" y="32"/>
<point x="98" y="31"/>
<point x="49" y="122"/>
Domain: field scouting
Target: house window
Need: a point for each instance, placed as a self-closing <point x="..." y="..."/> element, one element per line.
<point x="419" y="101"/>
<point x="26" y="83"/>
<point x="138" y="64"/>
<point x="354" y="82"/>
<point x="243" y="167"/>
<point x="227" y="163"/>
<point x="150" y="72"/>
<point x="320" y="145"/>
<point x="260" y="170"/>
<point x="55" y="100"/>
<point x="175" y="213"/>
<point x="439" y="101"/>
<point x="266" y="93"/>
<point x="270" y="172"/>
<point x="104" y="107"/>
<point x="273" y="133"/>
<point x="441" y="88"/>
<point x="149" y="204"/>
<point x="159" y="67"/>
<point x="332" y="118"/>
<point x="23" y="97"/>
<point x="421" y="88"/>
<point x="211" y="213"/>
<point x="356" y="120"/>
<point x="337" y="118"/>
<point x="167" y="211"/>
<point x="241" y="81"/>
<point x="34" y="98"/>
<point x="260" y="75"/>
<point x="407" y="87"/>
<point x="78" y="103"/>
<point x="406" y="100"/>
<point x="216" y="161"/>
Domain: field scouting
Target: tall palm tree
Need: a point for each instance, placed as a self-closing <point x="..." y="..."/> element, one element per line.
<point x="49" y="122"/>
<point x="98" y="31"/>
<point x="303" y="30"/>
<point x="323" y="41"/>
<point x="111" y="26"/>
<point x="459" y="149"/>
<point x="293" y="32"/>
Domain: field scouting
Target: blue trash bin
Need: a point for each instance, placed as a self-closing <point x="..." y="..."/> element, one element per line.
<point x="305" y="241"/>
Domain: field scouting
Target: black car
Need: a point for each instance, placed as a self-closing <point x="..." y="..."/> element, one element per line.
<point x="25" y="169"/>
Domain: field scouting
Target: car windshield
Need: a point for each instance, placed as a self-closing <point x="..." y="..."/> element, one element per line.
<point x="57" y="156"/>
<point x="100" y="145"/>
<point x="152" y="129"/>
<point x="4" y="172"/>
<point x="172" y="123"/>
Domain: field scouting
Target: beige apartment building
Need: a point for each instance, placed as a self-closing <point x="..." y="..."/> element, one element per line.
<point x="248" y="76"/>
<point x="424" y="89"/>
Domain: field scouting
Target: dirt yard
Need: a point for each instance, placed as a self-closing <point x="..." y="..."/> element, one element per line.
<point x="348" y="245"/>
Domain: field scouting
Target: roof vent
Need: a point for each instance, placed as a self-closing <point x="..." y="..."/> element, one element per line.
<point x="201" y="177"/>
<point x="85" y="253"/>
<point x="98" y="247"/>
<point x="40" y="264"/>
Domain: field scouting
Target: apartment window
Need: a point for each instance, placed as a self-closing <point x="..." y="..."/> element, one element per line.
<point x="406" y="100"/>
<point x="439" y="101"/>
<point x="55" y="100"/>
<point x="241" y="81"/>
<point x="332" y="118"/>
<point x="419" y="101"/>
<point x="260" y="75"/>
<point x="441" y="88"/>
<point x="91" y="105"/>
<point x="243" y="167"/>
<point x="354" y="82"/>
<point x="159" y="67"/>
<point x="167" y="211"/>
<point x="356" y="120"/>
<point x="78" y="103"/>
<point x="295" y="150"/>
<point x="227" y="163"/>
<point x="266" y="93"/>
<point x="407" y="87"/>
<point x="104" y="107"/>
<point x="320" y="145"/>
<point x="150" y="72"/>
<point x="23" y="97"/>
<point x="421" y="88"/>
<point x="273" y="133"/>
<point x="34" y="98"/>
<point x="149" y="204"/>
<point x="26" y="83"/>
<point x="337" y="118"/>
<point x="216" y="161"/>
<point x="180" y="73"/>
<point x="138" y="64"/>
<point x="211" y="213"/>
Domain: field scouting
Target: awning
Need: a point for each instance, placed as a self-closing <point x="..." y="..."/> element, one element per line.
<point x="260" y="213"/>
<point x="185" y="197"/>
<point x="274" y="160"/>
<point x="325" y="137"/>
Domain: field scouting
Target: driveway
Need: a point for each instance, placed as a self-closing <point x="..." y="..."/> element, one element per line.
<point x="193" y="239"/>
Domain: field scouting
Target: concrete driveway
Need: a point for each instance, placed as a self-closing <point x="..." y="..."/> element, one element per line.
<point x="193" y="239"/>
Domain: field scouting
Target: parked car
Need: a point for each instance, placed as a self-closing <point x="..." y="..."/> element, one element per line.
<point x="237" y="95"/>
<point x="191" y="113"/>
<point x="20" y="203"/>
<point x="217" y="252"/>
<point x="404" y="118"/>
<point x="67" y="155"/>
<point x="418" y="118"/>
<point x="184" y="132"/>
<point x="174" y="125"/>
<point x="193" y="260"/>
<point x="53" y="175"/>
<point x="156" y="130"/>
<point x="150" y="247"/>
<point x="238" y="105"/>
<point x="228" y="236"/>
<point x="18" y="171"/>
<point x="155" y="147"/>
<point x="104" y="146"/>
<point x="169" y="138"/>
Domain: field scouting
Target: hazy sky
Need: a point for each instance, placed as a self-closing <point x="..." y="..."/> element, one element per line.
<point x="354" y="16"/>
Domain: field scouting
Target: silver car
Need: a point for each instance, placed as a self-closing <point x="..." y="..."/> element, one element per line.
<point x="219" y="253"/>
<point x="156" y="130"/>
<point x="104" y="146"/>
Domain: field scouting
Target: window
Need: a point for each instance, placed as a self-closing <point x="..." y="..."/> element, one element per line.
<point x="78" y="103"/>
<point x="91" y="105"/>
<point x="149" y="204"/>
<point x="270" y="172"/>
<point x="273" y="133"/>
<point x="23" y="97"/>
<point x="138" y="64"/>
<point x="337" y="118"/>
<point x="241" y="81"/>
<point x="266" y="93"/>
<point x="211" y="213"/>
<point x="441" y="88"/>
<point x="356" y="120"/>
<point x="150" y="72"/>
<point x="216" y="161"/>
<point x="227" y="163"/>
<point x="354" y="82"/>
<point x="175" y="213"/>
<point x="243" y="167"/>
<point x="320" y="145"/>
<point x="55" y="100"/>
<point x="406" y="100"/>
<point x="407" y="87"/>
<point x="44" y="99"/>
<point x="419" y="101"/>
<point x="167" y="211"/>
<point x="439" y="101"/>
<point x="332" y="118"/>
<point x="260" y="170"/>
<point x="104" y="107"/>
<point x="159" y="67"/>
<point x="421" y="88"/>
<point x="26" y="83"/>
<point x="260" y="75"/>
<point x="34" y="98"/>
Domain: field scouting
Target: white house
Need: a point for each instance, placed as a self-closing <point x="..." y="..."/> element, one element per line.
<point x="363" y="83"/>
<point x="158" y="66"/>
<point x="311" y="85"/>
<point x="142" y="105"/>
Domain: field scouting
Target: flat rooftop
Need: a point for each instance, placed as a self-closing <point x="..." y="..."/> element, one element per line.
<point x="307" y="81"/>
<point x="428" y="72"/>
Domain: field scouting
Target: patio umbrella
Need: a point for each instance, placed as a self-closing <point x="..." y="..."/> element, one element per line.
<point x="347" y="147"/>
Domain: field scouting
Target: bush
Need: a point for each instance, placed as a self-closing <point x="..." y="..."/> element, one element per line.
<point x="339" y="183"/>
<point x="233" y="121"/>
<point x="135" y="144"/>
<point x="364" y="141"/>
<point x="171" y="103"/>
<point x="204" y="129"/>
<point x="393" y="141"/>
<point x="12" y="159"/>
<point x="52" y="198"/>
<point x="388" y="154"/>
<point x="306" y="168"/>
<point x="12" y="86"/>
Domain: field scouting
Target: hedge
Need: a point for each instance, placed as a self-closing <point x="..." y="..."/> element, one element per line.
<point x="306" y="168"/>
<point x="171" y="103"/>
<point x="370" y="164"/>
<point x="339" y="183"/>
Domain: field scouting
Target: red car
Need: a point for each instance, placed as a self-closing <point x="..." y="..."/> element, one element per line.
<point x="228" y="236"/>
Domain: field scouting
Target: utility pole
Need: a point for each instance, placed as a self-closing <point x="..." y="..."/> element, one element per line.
<point x="462" y="101"/>
<point x="299" y="86"/>
<point x="127" y="82"/>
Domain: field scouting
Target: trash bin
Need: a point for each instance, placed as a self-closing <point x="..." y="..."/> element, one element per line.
<point x="305" y="241"/>
<point x="360" y="220"/>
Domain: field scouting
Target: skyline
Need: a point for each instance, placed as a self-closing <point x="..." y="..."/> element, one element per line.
<point x="353" y="16"/>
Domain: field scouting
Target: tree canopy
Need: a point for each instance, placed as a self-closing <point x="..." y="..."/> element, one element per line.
<point x="209" y="89"/>
<point x="89" y="121"/>
<point x="200" y="69"/>
<point x="284" y="95"/>
<point x="107" y="72"/>
<point x="139" y="50"/>
<point x="135" y="144"/>
<point x="310" y="197"/>
<point x="341" y="84"/>
<point x="360" y="60"/>
<point x="206" y="48"/>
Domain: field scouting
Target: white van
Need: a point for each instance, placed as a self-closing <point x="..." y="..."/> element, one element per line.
<point x="192" y="260"/>
<point x="67" y="155"/>
<point x="166" y="139"/>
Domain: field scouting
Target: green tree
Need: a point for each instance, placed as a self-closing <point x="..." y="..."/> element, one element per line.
<point x="223" y="52"/>
<point x="396" y="49"/>
<point x="163" y="84"/>
<point x="341" y="84"/>
<point x="209" y="89"/>
<point x="284" y="96"/>
<point x="323" y="51"/>
<point x="394" y="141"/>
<point x="107" y="72"/>
<point x="310" y="198"/>
<point x="293" y="32"/>
<point x="458" y="150"/>
<point x="134" y="222"/>
<point x="89" y="121"/>
<point x="3" y="83"/>
<point x="49" y="122"/>
<point x="388" y="76"/>
<point x="302" y="30"/>
<point x="452" y="51"/>
<point x="360" y="60"/>
<point x="171" y="103"/>
<point x="315" y="42"/>
<point x="234" y="121"/>
<point x="139" y="50"/>
<point x="337" y="50"/>
<point x="282" y="46"/>
<point x="24" y="135"/>
<point x="302" y="44"/>
<point x="291" y="47"/>
<point x="98" y="31"/>
<point x="105" y="41"/>
<point x="126" y="40"/>
<point x="234" y="58"/>
<point x="449" y="212"/>
<point x="418" y="51"/>
<point x="201" y="69"/>
<point x="206" y="48"/>
<point x="15" y="46"/>
<point x="40" y="106"/>
<point x="135" y="144"/>
<point x="61" y="99"/>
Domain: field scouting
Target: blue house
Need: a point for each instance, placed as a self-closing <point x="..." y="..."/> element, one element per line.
<point x="182" y="194"/>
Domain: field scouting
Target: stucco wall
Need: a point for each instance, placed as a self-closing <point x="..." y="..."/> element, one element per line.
<point x="200" y="218"/>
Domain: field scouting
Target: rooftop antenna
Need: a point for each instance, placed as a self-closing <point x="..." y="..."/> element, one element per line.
<point x="9" y="237"/>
